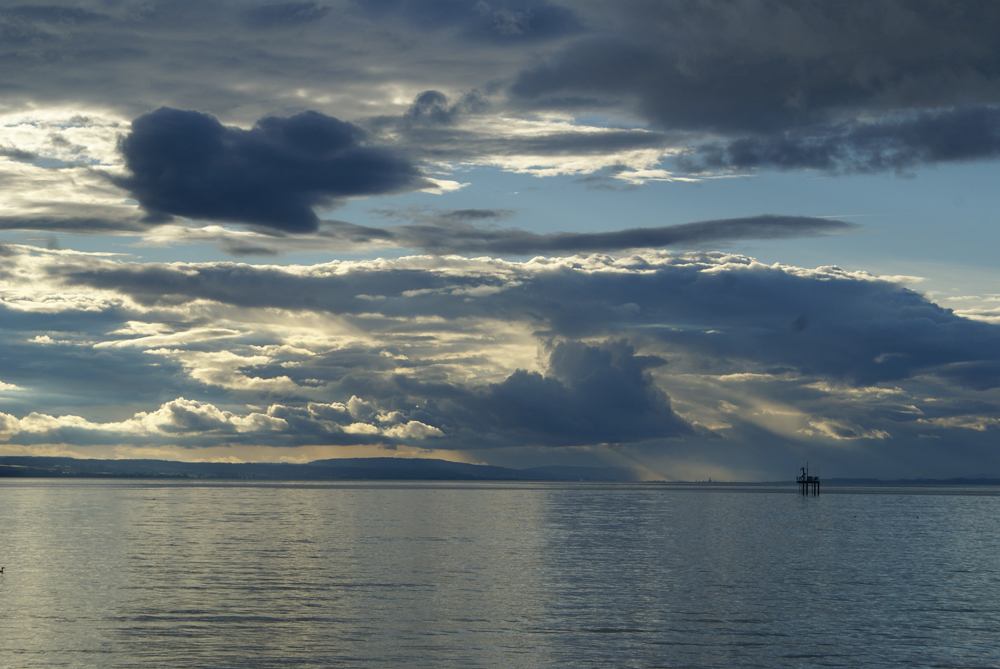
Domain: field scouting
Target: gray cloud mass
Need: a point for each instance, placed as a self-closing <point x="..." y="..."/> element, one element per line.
<point x="795" y="83"/>
<point x="826" y="324"/>
<point x="785" y="84"/>
<point x="704" y="354"/>
<point x="896" y="144"/>
<point x="186" y="163"/>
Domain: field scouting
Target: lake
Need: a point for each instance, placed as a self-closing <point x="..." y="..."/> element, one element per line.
<point x="127" y="573"/>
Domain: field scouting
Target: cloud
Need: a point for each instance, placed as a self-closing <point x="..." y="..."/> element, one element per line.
<point x="695" y="356"/>
<point x="981" y="374"/>
<point x="791" y="83"/>
<point x="514" y="21"/>
<point x="117" y="221"/>
<point x="455" y="232"/>
<point x="431" y="108"/>
<point x="749" y="84"/>
<point x="183" y="415"/>
<point x="840" y="430"/>
<point x="953" y="135"/>
<point x="203" y="424"/>
<point x="592" y="394"/>
<point x="17" y="154"/>
<point x="480" y="129"/>
<point x="185" y="163"/>
<point x="465" y="238"/>
<point x="280" y="15"/>
<point x="727" y="309"/>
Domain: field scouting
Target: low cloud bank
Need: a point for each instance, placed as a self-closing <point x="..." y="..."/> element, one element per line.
<point x="696" y="355"/>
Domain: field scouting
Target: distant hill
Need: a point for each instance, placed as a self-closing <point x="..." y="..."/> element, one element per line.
<point x="346" y="469"/>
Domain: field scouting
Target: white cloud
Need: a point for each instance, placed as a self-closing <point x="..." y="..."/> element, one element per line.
<point x="362" y="428"/>
<point x="183" y="415"/>
<point x="224" y="369"/>
<point x="966" y="422"/>
<point x="191" y="336"/>
<point x="414" y="430"/>
<point x="843" y="429"/>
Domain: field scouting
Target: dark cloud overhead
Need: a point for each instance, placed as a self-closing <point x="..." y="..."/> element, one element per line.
<point x="776" y="84"/>
<point x="727" y="65"/>
<point x="185" y="163"/>
<point x="789" y="83"/>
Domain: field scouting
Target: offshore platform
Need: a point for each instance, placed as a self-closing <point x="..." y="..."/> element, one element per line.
<point x="808" y="485"/>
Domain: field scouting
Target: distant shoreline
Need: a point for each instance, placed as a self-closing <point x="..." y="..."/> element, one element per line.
<point x="385" y="469"/>
<point x="347" y="469"/>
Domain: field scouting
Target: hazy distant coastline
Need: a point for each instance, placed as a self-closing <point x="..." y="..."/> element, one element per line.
<point x="347" y="469"/>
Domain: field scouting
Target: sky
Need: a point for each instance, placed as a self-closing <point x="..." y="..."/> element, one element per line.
<point x="714" y="239"/>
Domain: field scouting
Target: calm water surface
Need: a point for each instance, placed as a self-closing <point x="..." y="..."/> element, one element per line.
<point x="140" y="574"/>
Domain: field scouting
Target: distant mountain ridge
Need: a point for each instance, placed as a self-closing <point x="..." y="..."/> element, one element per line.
<point x="345" y="469"/>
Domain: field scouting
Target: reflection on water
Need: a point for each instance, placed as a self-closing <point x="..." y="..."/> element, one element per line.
<point x="137" y="574"/>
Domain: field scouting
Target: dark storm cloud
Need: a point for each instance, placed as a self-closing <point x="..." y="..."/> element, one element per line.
<point x="186" y="163"/>
<point x="782" y="77"/>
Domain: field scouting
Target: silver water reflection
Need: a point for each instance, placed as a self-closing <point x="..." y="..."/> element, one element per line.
<point x="138" y="574"/>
